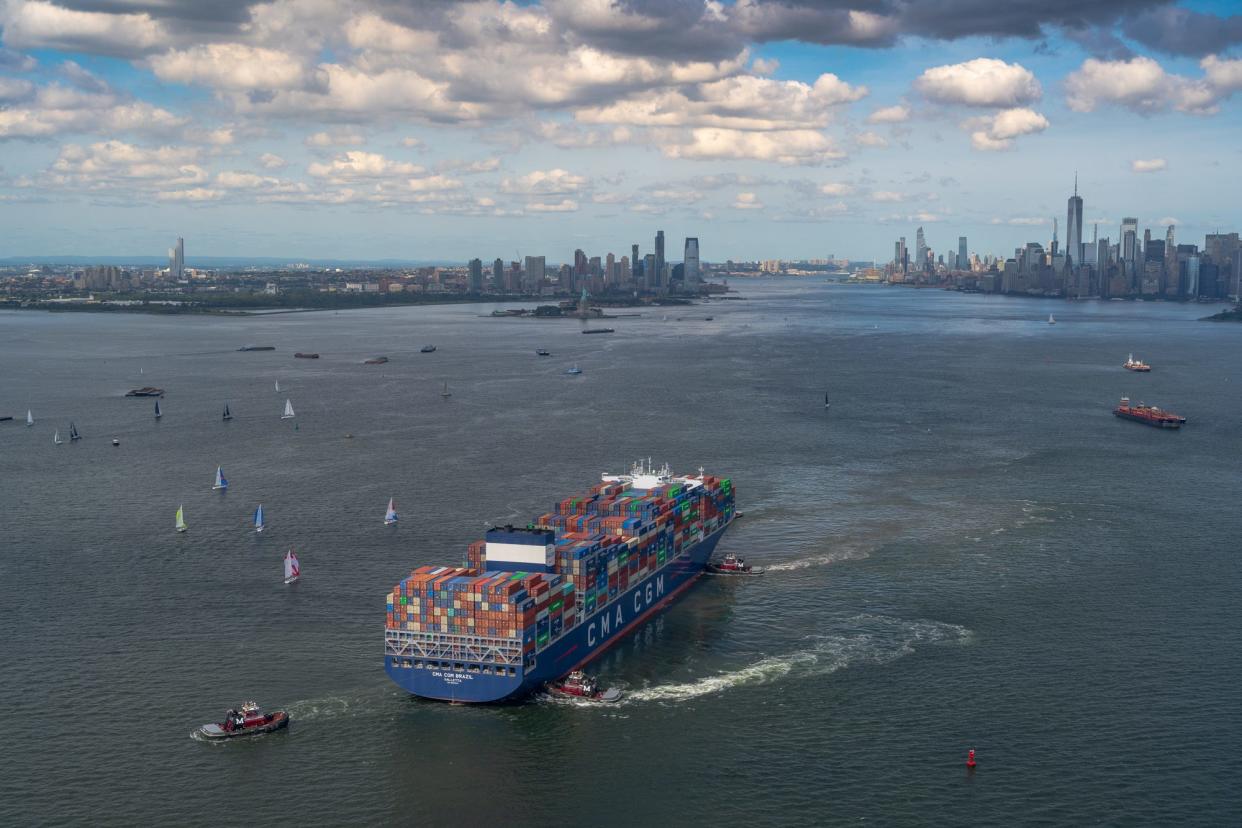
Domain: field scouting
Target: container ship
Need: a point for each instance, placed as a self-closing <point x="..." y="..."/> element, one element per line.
<point x="533" y="604"/>
<point x="1148" y="414"/>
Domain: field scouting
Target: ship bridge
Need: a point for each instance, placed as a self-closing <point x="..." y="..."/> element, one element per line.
<point x="644" y="476"/>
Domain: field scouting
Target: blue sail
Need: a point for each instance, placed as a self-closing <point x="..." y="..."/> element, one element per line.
<point x="258" y="518"/>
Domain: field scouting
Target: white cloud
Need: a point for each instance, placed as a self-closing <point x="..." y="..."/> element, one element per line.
<point x="15" y="89"/>
<point x="1148" y="165"/>
<point x="980" y="82"/>
<point x="890" y="115"/>
<point x="566" y="205"/>
<point x="271" y="161"/>
<point x="193" y="195"/>
<point x="998" y="131"/>
<point x="234" y="66"/>
<point x="1140" y="84"/>
<point x="116" y="165"/>
<point x="545" y="182"/>
<point x="36" y="24"/>
<point x="765" y="67"/>
<point x="747" y="201"/>
<point x="335" y="138"/>
<point x="57" y="110"/>
<point x="483" y="165"/>
<point x="887" y="196"/>
<point x="410" y="142"/>
<point x="870" y="139"/>
<point x="835" y="188"/>
<point x="239" y="180"/>
<point x="356" y="165"/>
<point x="801" y="146"/>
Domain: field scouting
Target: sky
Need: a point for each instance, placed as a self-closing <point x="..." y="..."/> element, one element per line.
<point x="439" y="130"/>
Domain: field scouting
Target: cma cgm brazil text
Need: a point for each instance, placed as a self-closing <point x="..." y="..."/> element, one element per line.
<point x="534" y="603"/>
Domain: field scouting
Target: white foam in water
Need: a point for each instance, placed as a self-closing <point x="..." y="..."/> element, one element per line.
<point x="842" y="553"/>
<point x="878" y="639"/>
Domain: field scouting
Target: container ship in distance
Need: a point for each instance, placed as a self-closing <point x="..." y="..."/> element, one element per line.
<point x="1148" y="415"/>
<point x="532" y="604"/>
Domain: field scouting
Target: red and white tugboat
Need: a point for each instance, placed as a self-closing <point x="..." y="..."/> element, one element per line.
<point x="582" y="686"/>
<point x="732" y="565"/>
<point x="247" y="720"/>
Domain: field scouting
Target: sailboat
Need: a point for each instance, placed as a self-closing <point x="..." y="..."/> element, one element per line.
<point x="29" y="418"/>
<point x="259" y="525"/>
<point x="826" y="403"/>
<point x="158" y="413"/>
<point x="277" y="385"/>
<point x="288" y="410"/>
<point x="292" y="570"/>
<point x="228" y="415"/>
<point x="390" y="517"/>
<point x="446" y="393"/>
<point x="575" y="370"/>
<point x="221" y="484"/>
<point x="73" y="433"/>
<point x="1051" y="321"/>
<point x="181" y="527"/>
<point x="56" y="438"/>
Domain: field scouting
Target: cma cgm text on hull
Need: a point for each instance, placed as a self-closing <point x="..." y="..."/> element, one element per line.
<point x="534" y="603"/>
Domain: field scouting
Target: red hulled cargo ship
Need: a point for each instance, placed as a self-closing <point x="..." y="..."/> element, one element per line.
<point x="534" y="604"/>
<point x="1148" y="414"/>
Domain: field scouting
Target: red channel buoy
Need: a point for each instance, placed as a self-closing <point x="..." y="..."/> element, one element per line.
<point x="970" y="759"/>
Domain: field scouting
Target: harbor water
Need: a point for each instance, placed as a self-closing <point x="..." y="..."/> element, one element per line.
<point x="965" y="550"/>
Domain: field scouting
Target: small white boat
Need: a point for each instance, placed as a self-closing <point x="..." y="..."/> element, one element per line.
<point x="390" y="517"/>
<point x="29" y="418"/>
<point x="293" y="570"/>
<point x="1051" y="321"/>
<point x="259" y="525"/>
<point x="288" y="410"/>
<point x="56" y="438"/>
<point x="228" y="415"/>
<point x="221" y="484"/>
<point x="575" y="370"/>
<point x="181" y="527"/>
<point x="446" y="393"/>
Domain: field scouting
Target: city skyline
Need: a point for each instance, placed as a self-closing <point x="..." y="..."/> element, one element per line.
<point x="767" y="129"/>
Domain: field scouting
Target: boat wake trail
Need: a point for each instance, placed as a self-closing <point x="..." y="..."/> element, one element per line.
<point x="335" y="707"/>
<point x="841" y="552"/>
<point x="871" y="639"/>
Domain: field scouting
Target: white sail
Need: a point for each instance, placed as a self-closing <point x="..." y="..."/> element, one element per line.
<point x="220" y="483"/>
<point x="390" y="517"/>
<point x="29" y="418"/>
<point x="181" y="527"/>
<point x="277" y="385"/>
<point x="288" y="410"/>
<point x="158" y="413"/>
<point x="56" y="438"/>
<point x="292" y="570"/>
<point x="259" y="525"/>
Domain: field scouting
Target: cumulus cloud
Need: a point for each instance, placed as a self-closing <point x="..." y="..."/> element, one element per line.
<point x="747" y="201"/>
<point x="1142" y="85"/>
<point x="890" y="115"/>
<point x="119" y="165"/>
<point x="34" y="24"/>
<point x="566" y="205"/>
<point x="272" y="161"/>
<point x="15" y="89"/>
<point x="998" y="132"/>
<point x="870" y="139"/>
<point x="545" y="182"/>
<point x="1148" y="165"/>
<point x="335" y="138"/>
<point x="980" y="82"/>
<point x="235" y="67"/>
<point x="55" y="110"/>
<point x="356" y="165"/>
<point x="835" y="188"/>
<point x="886" y="196"/>
<point x="796" y="146"/>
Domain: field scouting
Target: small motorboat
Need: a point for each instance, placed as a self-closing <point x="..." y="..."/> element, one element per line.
<point x="542" y="352"/>
<point x="732" y="565"/>
<point x="115" y="441"/>
<point x="427" y="349"/>
<point x="247" y="720"/>
<point x="579" y="685"/>
<point x="575" y="371"/>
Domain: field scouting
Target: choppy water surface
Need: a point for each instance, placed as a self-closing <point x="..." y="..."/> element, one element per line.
<point x="966" y="550"/>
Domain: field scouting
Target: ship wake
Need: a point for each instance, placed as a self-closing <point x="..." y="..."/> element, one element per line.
<point x="870" y="639"/>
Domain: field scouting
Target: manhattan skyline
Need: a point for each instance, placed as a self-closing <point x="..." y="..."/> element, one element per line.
<point x="766" y="129"/>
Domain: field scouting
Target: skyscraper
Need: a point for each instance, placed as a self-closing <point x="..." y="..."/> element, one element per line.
<point x="476" y="275"/>
<point x="498" y="275"/>
<point x="176" y="260"/>
<point x="659" y="257"/>
<point x="635" y="263"/>
<point x="963" y="261"/>
<point x="1129" y="239"/>
<point x="920" y="249"/>
<point x="610" y="269"/>
<point x="1073" y="227"/>
<point x="691" y="261"/>
<point x="534" y="274"/>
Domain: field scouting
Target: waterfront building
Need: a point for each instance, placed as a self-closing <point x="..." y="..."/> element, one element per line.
<point x="691" y="261"/>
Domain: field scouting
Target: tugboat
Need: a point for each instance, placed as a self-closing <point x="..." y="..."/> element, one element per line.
<point x="1132" y="364"/>
<point x="427" y="349"/>
<point x="579" y="685"/>
<point x="246" y="721"/>
<point x="732" y="565"/>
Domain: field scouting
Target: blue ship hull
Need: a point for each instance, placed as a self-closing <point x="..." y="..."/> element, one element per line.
<point x="456" y="681"/>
